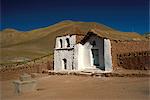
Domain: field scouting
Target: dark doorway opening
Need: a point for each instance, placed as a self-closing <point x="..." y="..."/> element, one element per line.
<point x="95" y="53"/>
<point x="96" y="59"/>
<point x="65" y="63"/>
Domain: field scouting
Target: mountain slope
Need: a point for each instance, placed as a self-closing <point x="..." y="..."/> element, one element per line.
<point x="35" y="43"/>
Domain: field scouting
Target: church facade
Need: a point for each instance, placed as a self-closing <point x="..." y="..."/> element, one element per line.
<point x="79" y="53"/>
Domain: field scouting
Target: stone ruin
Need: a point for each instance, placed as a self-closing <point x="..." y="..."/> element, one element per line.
<point x="24" y="84"/>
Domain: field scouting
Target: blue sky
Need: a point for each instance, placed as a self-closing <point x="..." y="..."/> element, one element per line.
<point x="124" y="15"/>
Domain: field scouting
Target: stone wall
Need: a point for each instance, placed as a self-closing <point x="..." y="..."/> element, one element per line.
<point x="130" y="54"/>
<point x="134" y="60"/>
<point x="38" y="65"/>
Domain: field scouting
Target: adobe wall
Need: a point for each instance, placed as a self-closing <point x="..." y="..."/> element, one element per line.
<point x="35" y="66"/>
<point x="59" y="55"/>
<point x="130" y="54"/>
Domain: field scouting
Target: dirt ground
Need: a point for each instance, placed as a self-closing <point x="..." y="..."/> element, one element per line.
<point x="82" y="88"/>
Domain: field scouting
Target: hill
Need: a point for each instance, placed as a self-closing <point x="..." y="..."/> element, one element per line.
<point x="18" y="46"/>
<point x="147" y="35"/>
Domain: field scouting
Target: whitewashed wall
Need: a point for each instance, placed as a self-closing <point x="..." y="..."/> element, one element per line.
<point x="64" y="42"/>
<point x="64" y="53"/>
<point x="107" y="55"/>
<point x="79" y="57"/>
<point x="88" y="58"/>
<point x="59" y="55"/>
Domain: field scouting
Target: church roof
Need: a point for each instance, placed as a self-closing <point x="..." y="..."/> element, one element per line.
<point x="114" y="36"/>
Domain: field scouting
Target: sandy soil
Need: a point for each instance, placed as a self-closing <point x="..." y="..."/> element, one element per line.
<point x="82" y="88"/>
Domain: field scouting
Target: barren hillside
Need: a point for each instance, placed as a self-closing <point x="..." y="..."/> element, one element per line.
<point x="31" y="44"/>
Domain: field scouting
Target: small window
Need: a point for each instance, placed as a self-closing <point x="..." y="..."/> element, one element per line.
<point x="61" y="43"/>
<point x="65" y="63"/>
<point x="93" y="43"/>
<point x="68" y="42"/>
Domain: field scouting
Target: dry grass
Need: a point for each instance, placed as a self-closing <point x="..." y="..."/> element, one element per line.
<point x="36" y="43"/>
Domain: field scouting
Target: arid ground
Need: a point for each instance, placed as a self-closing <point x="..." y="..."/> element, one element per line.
<point x="82" y="88"/>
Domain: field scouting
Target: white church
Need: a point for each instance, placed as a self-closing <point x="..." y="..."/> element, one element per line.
<point x="79" y="53"/>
